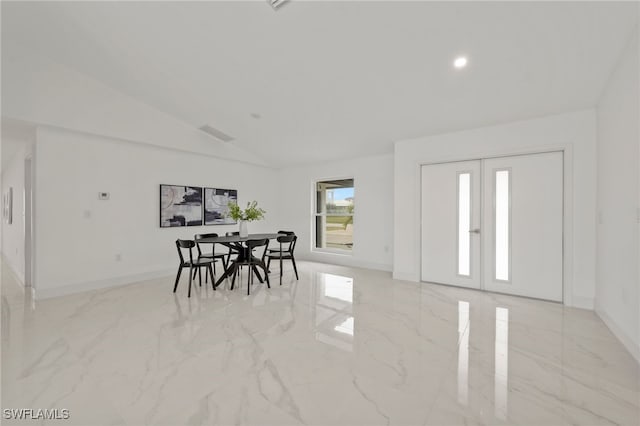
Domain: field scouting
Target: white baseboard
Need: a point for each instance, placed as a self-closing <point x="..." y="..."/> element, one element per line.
<point x="47" y="293"/>
<point x="405" y="276"/>
<point x="581" y="302"/>
<point x="627" y="342"/>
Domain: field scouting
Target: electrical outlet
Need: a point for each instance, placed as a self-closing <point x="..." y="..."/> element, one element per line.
<point x="103" y="195"/>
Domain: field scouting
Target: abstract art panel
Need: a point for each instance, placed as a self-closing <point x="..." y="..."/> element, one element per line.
<point x="180" y="206"/>
<point x="216" y="205"/>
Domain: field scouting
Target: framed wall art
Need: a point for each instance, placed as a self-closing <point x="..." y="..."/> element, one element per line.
<point x="216" y="205"/>
<point x="180" y="206"/>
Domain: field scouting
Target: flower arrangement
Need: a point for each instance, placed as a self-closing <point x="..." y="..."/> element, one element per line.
<point x="251" y="213"/>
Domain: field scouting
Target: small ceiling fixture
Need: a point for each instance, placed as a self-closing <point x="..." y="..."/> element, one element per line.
<point x="460" y="62"/>
<point x="275" y="4"/>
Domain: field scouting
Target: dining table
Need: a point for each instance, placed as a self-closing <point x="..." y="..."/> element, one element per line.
<point x="236" y="243"/>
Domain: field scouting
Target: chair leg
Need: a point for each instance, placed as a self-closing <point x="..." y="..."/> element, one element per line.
<point x="295" y="269"/>
<point x="214" y="266"/>
<point x="213" y="281"/>
<point x="255" y="271"/>
<point x="233" y="280"/>
<point x="266" y="275"/>
<point x="190" y="279"/>
<point x="200" y="275"/>
<point x="269" y="264"/>
<point x="175" y="287"/>
<point x="194" y="273"/>
<point x="281" y="267"/>
<point x="249" y="276"/>
<point x="206" y="275"/>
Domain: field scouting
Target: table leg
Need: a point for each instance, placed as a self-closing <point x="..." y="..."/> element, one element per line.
<point x="227" y="273"/>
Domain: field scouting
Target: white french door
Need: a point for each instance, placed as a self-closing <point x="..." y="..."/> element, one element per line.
<point x="450" y="223"/>
<point x="495" y="224"/>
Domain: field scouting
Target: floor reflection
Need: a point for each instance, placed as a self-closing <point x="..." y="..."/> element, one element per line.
<point x="463" y="352"/>
<point x="332" y="313"/>
<point x="501" y="363"/>
<point x="346" y="327"/>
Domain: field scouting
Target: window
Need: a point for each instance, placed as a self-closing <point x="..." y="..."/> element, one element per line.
<point x="334" y="215"/>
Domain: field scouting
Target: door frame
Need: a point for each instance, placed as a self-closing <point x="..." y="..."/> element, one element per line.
<point x="29" y="220"/>
<point x="567" y="205"/>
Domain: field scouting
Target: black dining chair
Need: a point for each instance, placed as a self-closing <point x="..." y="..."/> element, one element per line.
<point x="192" y="264"/>
<point x="212" y="254"/>
<point x="284" y="252"/>
<point x="252" y="262"/>
<point x="277" y="246"/>
<point x="232" y="251"/>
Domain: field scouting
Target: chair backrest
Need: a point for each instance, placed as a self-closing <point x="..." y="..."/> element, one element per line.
<point x="289" y="240"/>
<point x="291" y="243"/>
<point x="201" y="236"/>
<point x="185" y="244"/>
<point x="286" y="239"/>
<point x="253" y="244"/>
<point x="198" y="237"/>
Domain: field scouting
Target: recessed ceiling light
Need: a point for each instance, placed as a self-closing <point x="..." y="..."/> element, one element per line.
<point x="460" y="62"/>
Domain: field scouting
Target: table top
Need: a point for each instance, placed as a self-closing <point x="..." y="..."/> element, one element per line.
<point x="238" y="238"/>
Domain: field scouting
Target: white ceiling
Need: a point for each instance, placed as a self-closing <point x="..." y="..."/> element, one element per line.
<point x="335" y="79"/>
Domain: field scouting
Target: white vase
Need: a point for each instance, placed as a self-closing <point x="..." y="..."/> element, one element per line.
<point x="244" y="232"/>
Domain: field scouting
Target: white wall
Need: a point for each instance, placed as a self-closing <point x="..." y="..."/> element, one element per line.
<point x="573" y="132"/>
<point x="13" y="237"/>
<point x="373" y="213"/>
<point x="78" y="236"/>
<point x="618" y="201"/>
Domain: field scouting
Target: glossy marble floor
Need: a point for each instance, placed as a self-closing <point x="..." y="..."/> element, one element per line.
<point x="341" y="346"/>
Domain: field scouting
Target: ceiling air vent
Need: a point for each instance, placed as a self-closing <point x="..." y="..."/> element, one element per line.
<point x="275" y="4"/>
<point x="212" y="131"/>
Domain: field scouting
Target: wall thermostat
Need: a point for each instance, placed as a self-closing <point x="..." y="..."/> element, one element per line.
<point x="103" y="195"/>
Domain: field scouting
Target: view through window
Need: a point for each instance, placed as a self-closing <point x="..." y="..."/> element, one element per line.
<point x="334" y="214"/>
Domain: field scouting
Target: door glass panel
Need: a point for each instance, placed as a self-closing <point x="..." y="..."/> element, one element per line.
<point x="464" y="224"/>
<point x="502" y="225"/>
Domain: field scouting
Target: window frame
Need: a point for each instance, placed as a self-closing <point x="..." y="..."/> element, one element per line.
<point x="323" y="213"/>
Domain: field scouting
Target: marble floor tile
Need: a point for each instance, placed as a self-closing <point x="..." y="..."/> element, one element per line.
<point x="340" y="346"/>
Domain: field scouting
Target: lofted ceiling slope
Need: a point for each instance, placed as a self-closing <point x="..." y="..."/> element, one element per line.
<point x="331" y="80"/>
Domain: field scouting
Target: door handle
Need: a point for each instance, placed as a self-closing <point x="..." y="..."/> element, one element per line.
<point x="475" y="231"/>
